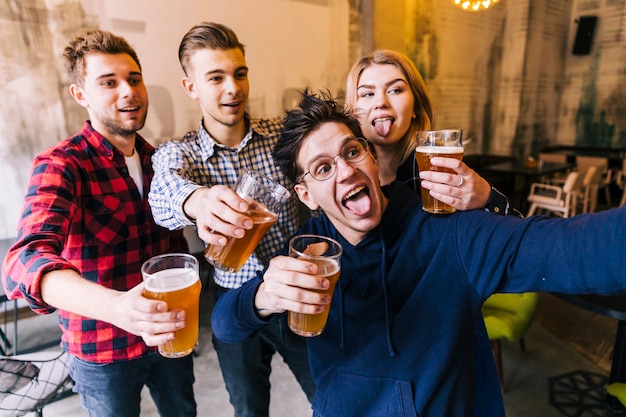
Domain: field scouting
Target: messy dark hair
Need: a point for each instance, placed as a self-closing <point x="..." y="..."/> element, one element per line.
<point x="312" y="112"/>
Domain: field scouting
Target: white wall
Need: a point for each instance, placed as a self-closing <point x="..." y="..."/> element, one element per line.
<point x="289" y="44"/>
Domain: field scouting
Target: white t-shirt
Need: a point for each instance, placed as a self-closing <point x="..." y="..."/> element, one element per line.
<point x="134" y="170"/>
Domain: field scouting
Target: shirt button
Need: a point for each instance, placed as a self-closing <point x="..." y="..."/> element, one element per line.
<point x="496" y="209"/>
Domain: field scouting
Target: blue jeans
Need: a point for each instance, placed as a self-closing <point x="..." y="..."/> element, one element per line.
<point x="246" y="366"/>
<point x="114" y="389"/>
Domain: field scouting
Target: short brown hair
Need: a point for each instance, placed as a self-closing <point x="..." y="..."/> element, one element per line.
<point x="95" y="41"/>
<point x="207" y="35"/>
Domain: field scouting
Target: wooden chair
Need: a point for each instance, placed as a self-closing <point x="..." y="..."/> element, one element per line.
<point x="600" y="181"/>
<point x="559" y="158"/>
<point x="555" y="199"/>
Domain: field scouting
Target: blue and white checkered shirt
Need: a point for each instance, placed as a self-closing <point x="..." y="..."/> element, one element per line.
<point x="197" y="160"/>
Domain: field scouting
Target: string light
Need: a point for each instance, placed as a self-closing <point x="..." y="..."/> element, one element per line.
<point x="475" y="5"/>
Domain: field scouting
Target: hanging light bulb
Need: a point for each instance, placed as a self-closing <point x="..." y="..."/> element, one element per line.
<point x="475" y="5"/>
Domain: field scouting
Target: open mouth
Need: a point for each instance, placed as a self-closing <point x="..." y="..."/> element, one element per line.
<point x="382" y="125"/>
<point x="358" y="200"/>
<point x="129" y="109"/>
<point x="232" y="104"/>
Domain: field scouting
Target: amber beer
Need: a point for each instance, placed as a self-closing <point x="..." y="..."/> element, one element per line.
<point x="446" y="143"/>
<point x="326" y="254"/>
<point x="423" y="155"/>
<point x="313" y="324"/>
<point x="265" y="199"/>
<point x="174" y="278"/>
<point x="236" y="252"/>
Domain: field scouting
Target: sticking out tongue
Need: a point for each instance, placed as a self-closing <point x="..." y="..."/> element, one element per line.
<point x="359" y="204"/>
<point x="382" y="126"/>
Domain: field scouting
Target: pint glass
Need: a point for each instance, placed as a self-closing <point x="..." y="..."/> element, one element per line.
<point x="174" y="278"/>
<point x="265" y="198"/>
<point x="326" y="254"/>
<point x="446" y="143"/>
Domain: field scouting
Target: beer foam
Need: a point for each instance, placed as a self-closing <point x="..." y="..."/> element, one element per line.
<point x="172" y="279"/>
<point x="439" y="150"/>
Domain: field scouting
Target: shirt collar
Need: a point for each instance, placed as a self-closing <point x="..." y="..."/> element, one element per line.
<point x="99" y="142"/>
<point x="209" y="144"/>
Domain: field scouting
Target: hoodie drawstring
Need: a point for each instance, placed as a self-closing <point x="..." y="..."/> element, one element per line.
<point x="383" y="268"/>
<point x="341" y="318"/>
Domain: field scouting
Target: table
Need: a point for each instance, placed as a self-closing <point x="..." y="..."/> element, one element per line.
<point x="614" y="307"/>
<point x="615" y="156"/>
<point x="518" y="169"/>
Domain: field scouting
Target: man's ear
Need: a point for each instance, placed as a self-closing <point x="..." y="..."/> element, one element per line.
<point x="189" y="87"/>
<point x="78" y="94"/>
<point x="305" y="197"/>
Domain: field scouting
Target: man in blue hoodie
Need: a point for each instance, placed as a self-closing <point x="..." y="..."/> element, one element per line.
<point x="412" y="284"/>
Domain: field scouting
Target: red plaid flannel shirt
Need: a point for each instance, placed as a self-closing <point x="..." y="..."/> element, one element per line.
<point x="84" y="212"/>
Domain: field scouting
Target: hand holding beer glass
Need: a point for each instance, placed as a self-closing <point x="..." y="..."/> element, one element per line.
<point x="326" y="254"/>
<point x="174" y="278"/>
<point x="445" y="143"/>
<point x="265" y="198"/>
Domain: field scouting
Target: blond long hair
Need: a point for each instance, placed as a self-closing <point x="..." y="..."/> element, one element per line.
<point x="422" y="107"/>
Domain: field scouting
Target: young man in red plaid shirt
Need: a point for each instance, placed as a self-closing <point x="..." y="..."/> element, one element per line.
<point x="84" y="232"/>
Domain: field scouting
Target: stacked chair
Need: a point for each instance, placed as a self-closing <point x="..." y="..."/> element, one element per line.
<point x="560" y="200"/>
<point x="599" y="180"/>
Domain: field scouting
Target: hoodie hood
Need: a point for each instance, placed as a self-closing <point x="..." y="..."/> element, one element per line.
<point x="382" y="299"/>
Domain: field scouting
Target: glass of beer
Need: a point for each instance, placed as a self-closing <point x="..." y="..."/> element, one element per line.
<point x="265" y="198"/>
<point x="326" y="254"/>
<point x="447" y="143"/>
<point x="174" y="278"/>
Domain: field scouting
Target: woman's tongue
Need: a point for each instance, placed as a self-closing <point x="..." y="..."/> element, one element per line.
<point x="382" y="126"/>
<point x="359" y="204"/>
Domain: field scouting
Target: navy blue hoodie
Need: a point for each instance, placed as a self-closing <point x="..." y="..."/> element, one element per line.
<point x="402" y="319"/>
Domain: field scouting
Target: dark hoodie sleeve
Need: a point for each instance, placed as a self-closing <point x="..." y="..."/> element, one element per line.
<point x="234" y="316"/>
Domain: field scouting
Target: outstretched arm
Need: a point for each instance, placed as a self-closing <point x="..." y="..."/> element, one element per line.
<point x="128" y="310"/>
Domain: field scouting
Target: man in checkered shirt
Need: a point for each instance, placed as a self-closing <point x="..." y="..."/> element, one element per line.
<point x="193" y="182"/>
<point x="84" y="232"/>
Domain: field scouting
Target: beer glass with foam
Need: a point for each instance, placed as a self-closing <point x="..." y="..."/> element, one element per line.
<point x="326" y="254"/>
<point x="446" y="143"/>
<point x="174" y="278"/>
<point x="265" y="198"/>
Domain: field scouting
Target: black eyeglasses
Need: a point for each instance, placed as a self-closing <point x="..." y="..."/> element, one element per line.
<point x="353" y="151"/>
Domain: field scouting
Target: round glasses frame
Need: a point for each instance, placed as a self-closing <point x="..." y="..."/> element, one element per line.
<point x="325" y="167"/>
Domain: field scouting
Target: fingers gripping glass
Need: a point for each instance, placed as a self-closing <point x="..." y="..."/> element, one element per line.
<point x="323" y="168"/>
